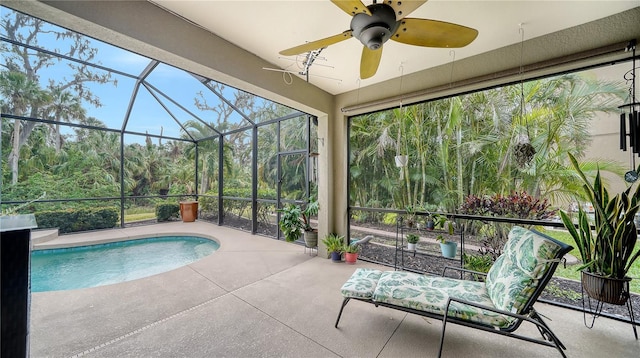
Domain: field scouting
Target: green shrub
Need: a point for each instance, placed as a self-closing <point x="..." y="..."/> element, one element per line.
<point x="390" y="218"/>
<point x="71" y="220"/>
<point x="515" y="205"/>
<point x="165" y="212"/>
<point x="480" y="263"/>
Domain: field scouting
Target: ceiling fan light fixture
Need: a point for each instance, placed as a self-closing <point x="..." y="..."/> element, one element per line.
<point x="376" y="29"/>
<point x="374" y="36"/>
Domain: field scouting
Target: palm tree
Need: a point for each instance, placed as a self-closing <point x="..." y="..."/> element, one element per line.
<point x="18" y="58"/>
<point x="22" y="94"/>
<point x="463" y="145"/>
<point x="64" y="106"/>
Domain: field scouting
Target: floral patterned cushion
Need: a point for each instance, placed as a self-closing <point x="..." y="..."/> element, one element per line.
<point x="509" y="285"/>
<point x="430" y="294"/>
<point x="515" y="275"/>
<point x="361" y="284"/>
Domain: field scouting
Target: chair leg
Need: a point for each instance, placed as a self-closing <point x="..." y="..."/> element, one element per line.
<point x="546" y="333"/>
<point x="444" y="326"/>
<point x="632" y="317"/>
<point x="344" y="303"/>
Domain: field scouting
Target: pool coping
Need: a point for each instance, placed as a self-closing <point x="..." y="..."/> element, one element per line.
<point x="88" y="238"/>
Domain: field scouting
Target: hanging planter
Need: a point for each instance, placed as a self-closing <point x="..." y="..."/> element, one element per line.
<point x="523" y="151"/>
<point x="402" y="160"/>
<point x="606" y="289"/>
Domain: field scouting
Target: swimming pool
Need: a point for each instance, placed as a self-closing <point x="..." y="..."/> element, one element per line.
<point x="104" y="264"/>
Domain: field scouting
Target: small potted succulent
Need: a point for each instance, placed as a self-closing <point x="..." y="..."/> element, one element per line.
<point x="412" y="240"/>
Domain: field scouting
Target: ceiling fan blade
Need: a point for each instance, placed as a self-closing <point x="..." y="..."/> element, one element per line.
<point x="352" y="7"/>
<point x="404" y="8"/>
<point x="433" y="33"/>
<point x="369" y="62"/>
<point x="314" y="45"/>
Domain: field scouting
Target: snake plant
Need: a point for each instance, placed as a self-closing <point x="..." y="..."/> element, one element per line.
<point x="606" y="248"/>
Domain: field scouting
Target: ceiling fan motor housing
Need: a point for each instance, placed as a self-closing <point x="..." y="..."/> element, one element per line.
<point x="376" y="29"/>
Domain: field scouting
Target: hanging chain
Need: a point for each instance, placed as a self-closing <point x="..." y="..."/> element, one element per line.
<point x="522" y="121"/>
<point x="453" y="54"/>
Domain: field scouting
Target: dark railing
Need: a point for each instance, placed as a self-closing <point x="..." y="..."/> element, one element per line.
<point x="484" y="219"/>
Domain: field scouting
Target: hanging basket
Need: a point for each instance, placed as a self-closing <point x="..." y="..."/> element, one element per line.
<point x="606" y="289"/>
<point x="402" y="160"/>
<point x="523" y="151"/>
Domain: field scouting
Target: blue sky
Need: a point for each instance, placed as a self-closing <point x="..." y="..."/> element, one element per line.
<point x="147" y="115"/>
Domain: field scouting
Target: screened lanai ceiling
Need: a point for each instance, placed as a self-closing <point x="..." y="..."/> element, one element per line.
<point x="265" y="28"/>
<point x="134" y="94"/>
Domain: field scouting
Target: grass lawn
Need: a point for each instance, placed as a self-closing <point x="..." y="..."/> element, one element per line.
<point x="571" y="272"/>
<point x="139" y="213"/>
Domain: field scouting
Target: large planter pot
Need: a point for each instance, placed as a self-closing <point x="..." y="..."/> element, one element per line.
<point x="606" y="289"/>
<point x="350" y="258"/>
<point x="311" y="238"/>
<point x="336" y="256"/>
<point x="448" y="249"/>
<point x="189" y="211"/>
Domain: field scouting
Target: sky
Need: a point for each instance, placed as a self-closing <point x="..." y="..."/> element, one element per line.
<point x="147" y="115"/>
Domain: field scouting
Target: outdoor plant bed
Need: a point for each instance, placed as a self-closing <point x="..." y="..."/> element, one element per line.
<point x="562" y="291"/>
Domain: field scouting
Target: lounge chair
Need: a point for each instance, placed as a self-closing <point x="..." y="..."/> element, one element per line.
<point x="499" y="305"/>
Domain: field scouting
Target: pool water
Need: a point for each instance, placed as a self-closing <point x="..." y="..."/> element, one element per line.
<point x="104" y="264"/>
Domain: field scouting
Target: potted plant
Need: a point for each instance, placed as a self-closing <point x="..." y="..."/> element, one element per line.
<point x="606" y="248"/>
<point x="430" y="223"/>
<point x="335" y="245"/>
<point x="443" y="223"/>
<point x="411" y="216"/>
<point x="351" y="253"/>
<point x="412" y="240"/>
<point x="295" y="219"/>
<point x="310" y="233"/>
<point x="290" y="222"/>
<point x="448" y="248"/>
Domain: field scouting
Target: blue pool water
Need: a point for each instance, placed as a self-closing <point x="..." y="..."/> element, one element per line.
<point x="104" y="264"/>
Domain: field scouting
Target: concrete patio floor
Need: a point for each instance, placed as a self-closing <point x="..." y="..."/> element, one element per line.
<point x="259" y="297"/>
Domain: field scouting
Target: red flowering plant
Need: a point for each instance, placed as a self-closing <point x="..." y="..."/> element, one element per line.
<point x="516" y="205"/>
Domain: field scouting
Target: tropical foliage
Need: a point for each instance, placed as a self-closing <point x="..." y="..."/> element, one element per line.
<point x="50" y="144"/>
<point x="608" y="248"/>
<point x="464" y="145"/>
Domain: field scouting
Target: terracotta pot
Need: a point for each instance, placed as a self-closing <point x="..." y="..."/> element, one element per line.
<point x="350" y="258"/>
<point x="189" y="211"/>
<point x="606" y="289"/>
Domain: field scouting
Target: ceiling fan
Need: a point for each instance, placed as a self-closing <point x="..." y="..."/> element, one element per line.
<point x="373" y="25"/>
